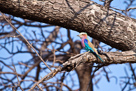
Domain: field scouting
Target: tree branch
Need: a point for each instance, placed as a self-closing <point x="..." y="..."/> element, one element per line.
<point x="109" y="26"/>
<point x="75" y="61"/>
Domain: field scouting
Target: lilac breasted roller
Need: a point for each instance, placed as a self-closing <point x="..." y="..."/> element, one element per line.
<point x="88" y="45"/>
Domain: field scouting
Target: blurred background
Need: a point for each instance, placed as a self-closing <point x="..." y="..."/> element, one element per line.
<point x="56" y="45"/>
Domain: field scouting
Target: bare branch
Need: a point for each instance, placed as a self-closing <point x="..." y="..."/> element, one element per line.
<point x="131" y="8"/>
<point x="73" y="62"/>
<point x="109" y="27"/>
<point x="26" y="41"/>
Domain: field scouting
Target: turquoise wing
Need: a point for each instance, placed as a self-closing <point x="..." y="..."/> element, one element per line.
<point x="88" y="48"/>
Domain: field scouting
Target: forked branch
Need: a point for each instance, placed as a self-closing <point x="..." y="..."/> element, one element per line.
<point x="73" y="62"/>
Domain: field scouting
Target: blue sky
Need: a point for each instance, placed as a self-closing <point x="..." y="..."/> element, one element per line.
<point x="116" y="69"/>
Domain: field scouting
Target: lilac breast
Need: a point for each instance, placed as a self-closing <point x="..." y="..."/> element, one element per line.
<point x="82" y="42"/>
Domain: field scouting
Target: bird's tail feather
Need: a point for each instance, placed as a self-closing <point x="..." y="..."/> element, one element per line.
<point x="98" y="56"/>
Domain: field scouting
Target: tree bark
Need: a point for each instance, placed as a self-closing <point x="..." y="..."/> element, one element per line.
<point x="84" y="75"/>
<point x="104" y="25"/>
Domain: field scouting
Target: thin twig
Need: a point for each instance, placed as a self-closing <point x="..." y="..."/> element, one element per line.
<point x="26" y="41"/>
<point x="17" y="77"/>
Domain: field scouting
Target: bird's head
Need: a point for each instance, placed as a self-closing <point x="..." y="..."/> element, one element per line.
<point x="82" y="34"/>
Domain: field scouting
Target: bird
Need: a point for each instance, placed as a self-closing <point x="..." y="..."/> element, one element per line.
<point x="88" y="45"/>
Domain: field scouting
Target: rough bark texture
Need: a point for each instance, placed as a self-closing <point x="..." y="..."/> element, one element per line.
<point x="84" y="75"/>
<point x="108" y="26"/>
<point x="75" y="61"/>
<point x="81" y="15"/>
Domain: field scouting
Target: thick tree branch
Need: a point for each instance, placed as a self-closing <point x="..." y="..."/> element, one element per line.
<point x="105" y="25"/>
<point x="84" y="75"/>
<point x="75" y="61"/>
